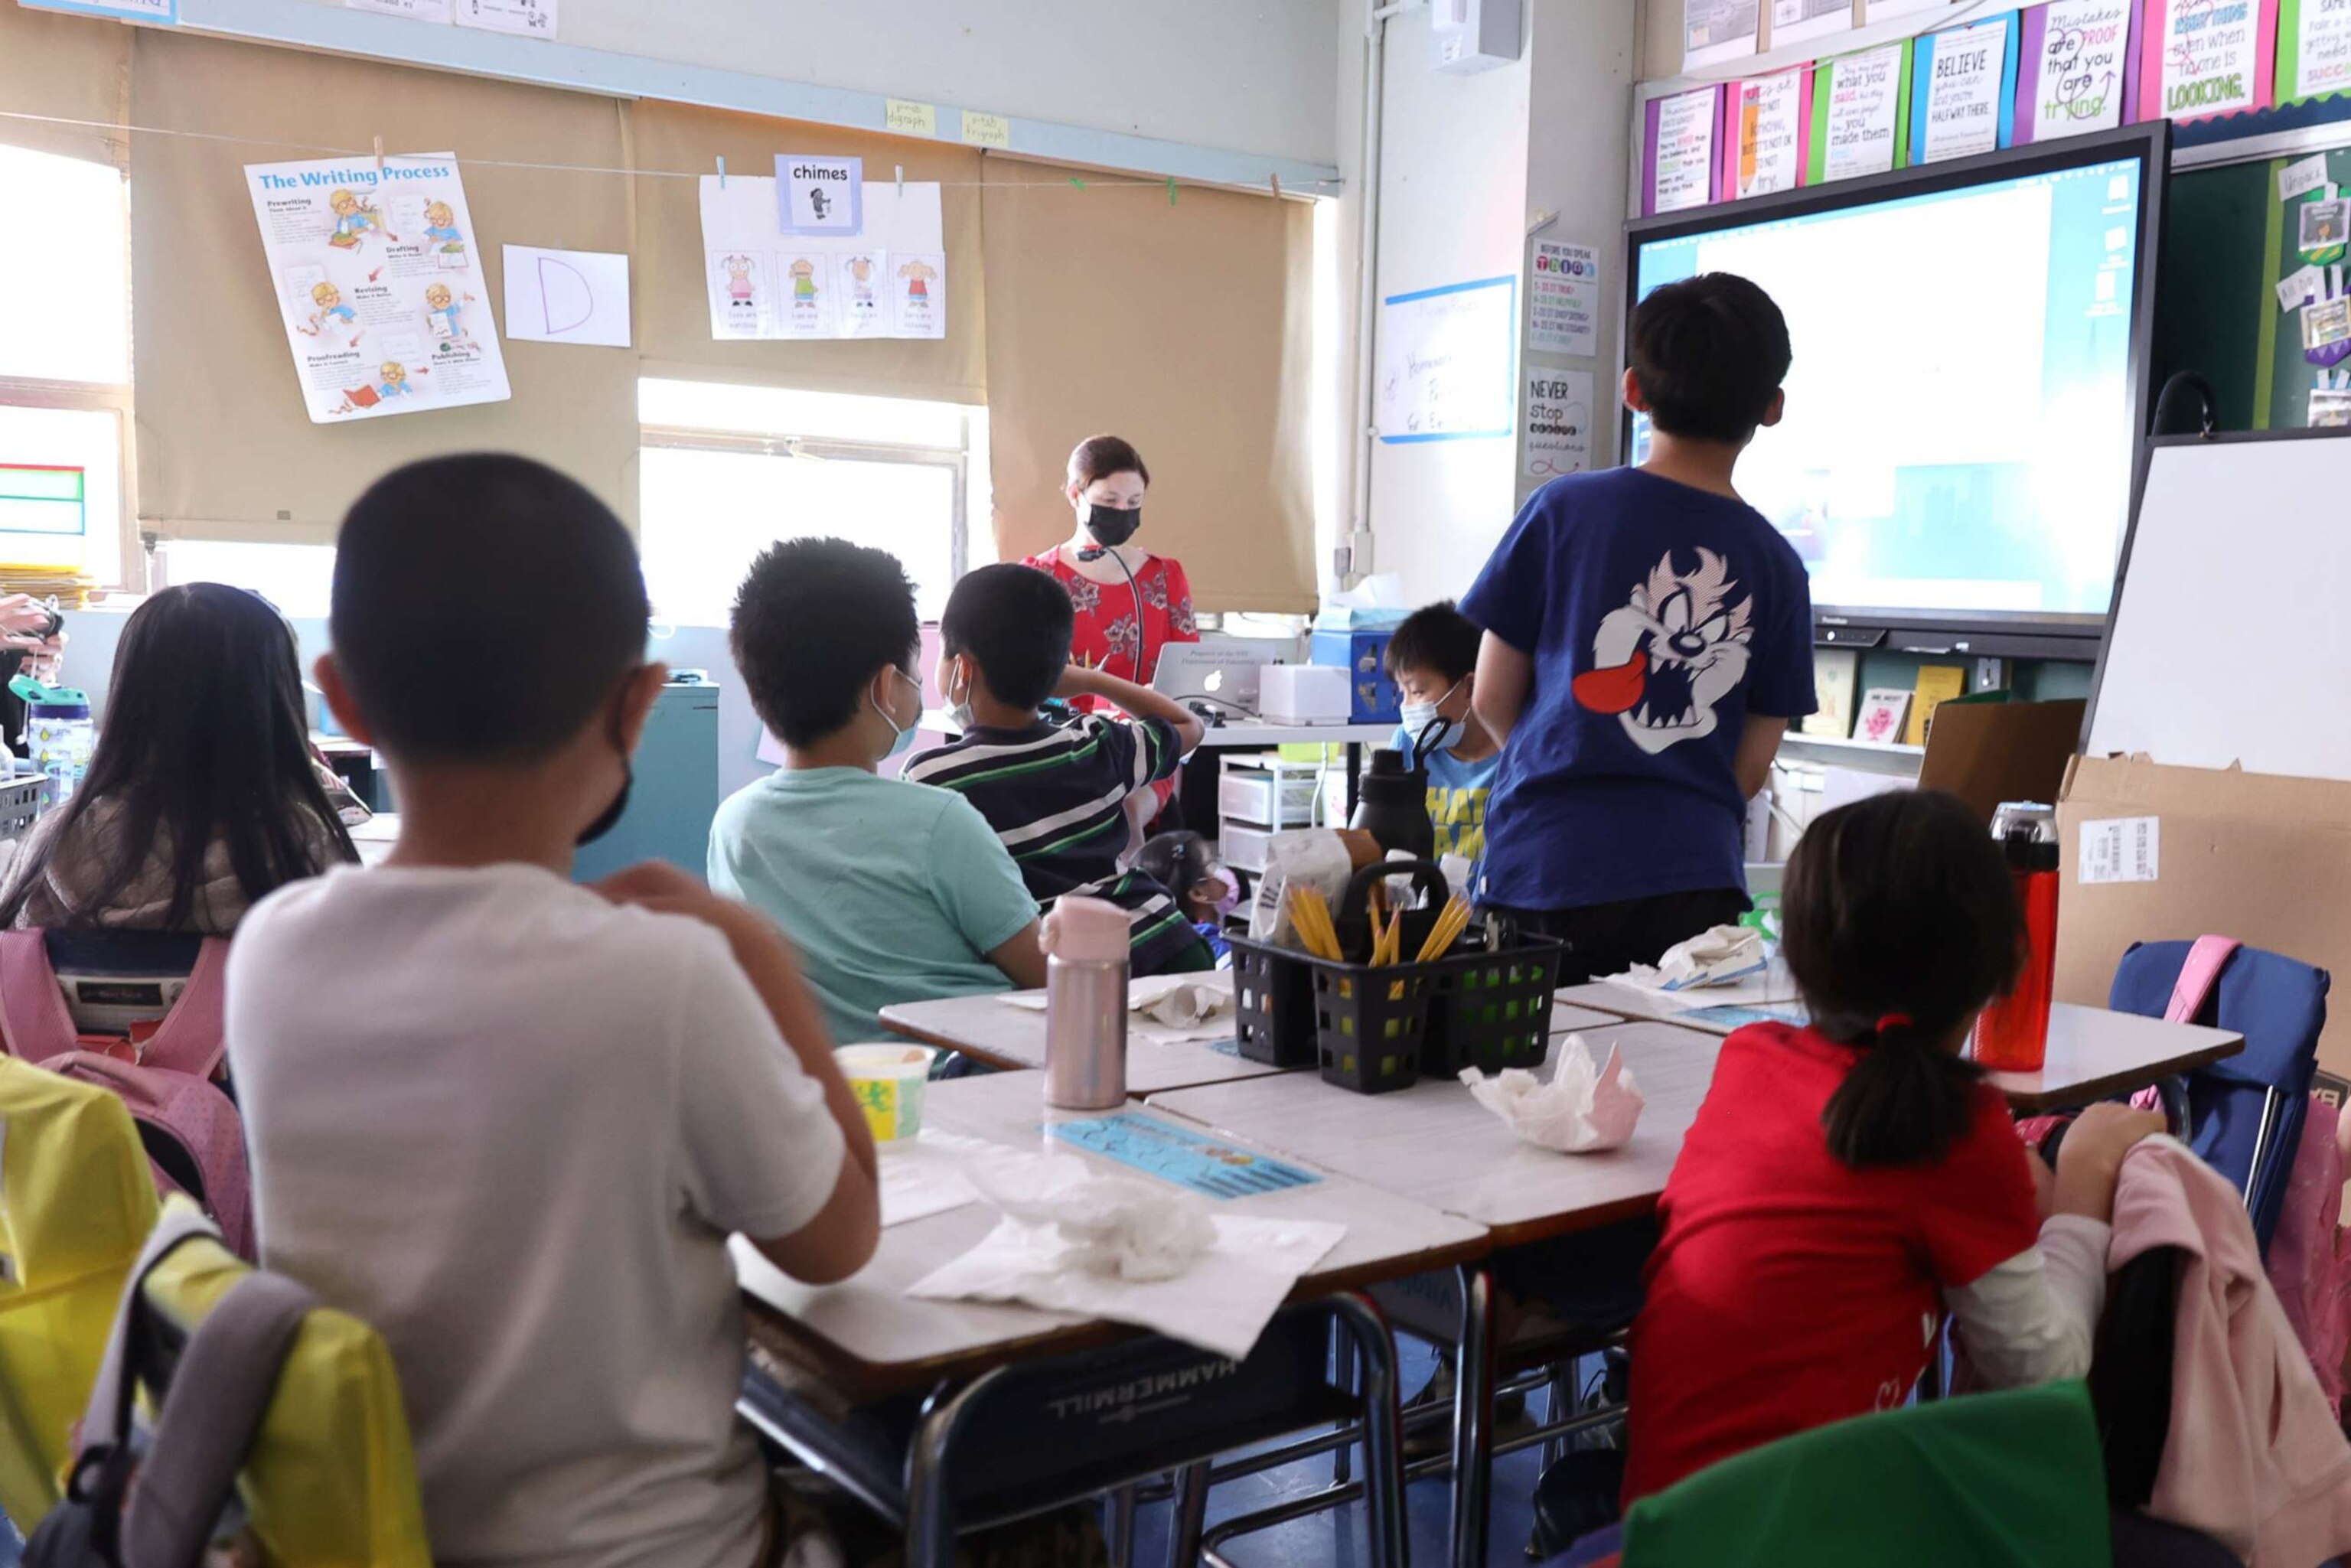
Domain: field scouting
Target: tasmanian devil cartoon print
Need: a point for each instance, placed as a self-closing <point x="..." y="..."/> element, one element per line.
<point x="1661" y="662"/>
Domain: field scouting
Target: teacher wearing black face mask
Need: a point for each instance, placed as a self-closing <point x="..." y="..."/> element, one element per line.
<point x="1130" y="603"/>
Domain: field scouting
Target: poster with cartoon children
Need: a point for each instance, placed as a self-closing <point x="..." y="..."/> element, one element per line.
<point x="888" y="280"/>
<point x="366" y="264"/>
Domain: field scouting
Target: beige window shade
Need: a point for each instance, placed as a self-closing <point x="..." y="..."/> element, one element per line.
<point x="64" y="69"/>
<point x="225" y="449"/>
<point x="1185" y="328"/>
<point x="674" y="301"/>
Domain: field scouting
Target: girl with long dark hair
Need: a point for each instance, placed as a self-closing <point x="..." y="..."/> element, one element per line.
<point x="203" y="797"/>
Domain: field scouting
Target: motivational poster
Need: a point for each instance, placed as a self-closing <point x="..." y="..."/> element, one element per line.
<point x="1564" y="298"/>
<point x="1678" y="156"/>
<point x="1963" y="91"/>
<point x="1559" y="422"/>
<point x="1767" y="132"/>
<point x="2077" y="68"/>
<point x="2204" y="57"/>
<point x="2313" y="49"/>
<point x="1860" y="113"/>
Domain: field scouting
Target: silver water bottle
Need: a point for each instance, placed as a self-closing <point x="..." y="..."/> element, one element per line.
<point x="1085" y="942"/>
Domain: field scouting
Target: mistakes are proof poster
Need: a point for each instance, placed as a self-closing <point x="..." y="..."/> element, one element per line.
<point x="378" y="279"/>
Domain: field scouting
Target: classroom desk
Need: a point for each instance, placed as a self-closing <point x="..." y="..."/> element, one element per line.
<point x="1434" y="1145"/>
<point x="2092" y="1053"/>
<point x="989" y="1031"/>
<point x="819" y="1352"/>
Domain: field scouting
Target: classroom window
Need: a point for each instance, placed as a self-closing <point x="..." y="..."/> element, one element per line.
<point x="298" y="580"/>
<point x="726" y="471"/>
<point x="66" y="504"/>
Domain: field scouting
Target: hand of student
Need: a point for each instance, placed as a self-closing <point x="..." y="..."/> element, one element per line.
<point x="2091" y="1158"/>
<point x="24" y="619"/>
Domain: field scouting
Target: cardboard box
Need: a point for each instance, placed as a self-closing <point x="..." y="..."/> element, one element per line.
<point x="1364" y="654"/>
<point x="2153" y="852"/>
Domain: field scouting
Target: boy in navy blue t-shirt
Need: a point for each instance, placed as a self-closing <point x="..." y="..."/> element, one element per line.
<point x="1649" y="636"/>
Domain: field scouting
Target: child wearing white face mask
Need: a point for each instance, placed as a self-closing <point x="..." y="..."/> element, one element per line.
<point x="891" y="893"/>
<point x="1185" y="864"/>
<point x="1433" y="659"/>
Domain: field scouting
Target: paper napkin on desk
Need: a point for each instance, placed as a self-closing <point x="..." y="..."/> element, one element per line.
<point x="1073" y="1239"/>
<point x="1721" y="957"/>
<point x="1581" y="1111"/>
<point x="1167" y="1009"/>
<point x="931" y="1174"/>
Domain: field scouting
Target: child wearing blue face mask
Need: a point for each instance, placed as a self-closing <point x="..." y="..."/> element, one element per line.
<point x="891" y="890"/>
<point x="1433" y="659"/>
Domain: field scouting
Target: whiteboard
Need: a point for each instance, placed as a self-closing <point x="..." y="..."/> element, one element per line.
<point x="1447" y="370"/>
<point x="2230" y="640"/>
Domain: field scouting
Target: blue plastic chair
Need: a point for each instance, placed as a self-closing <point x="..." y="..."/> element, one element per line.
<point x="2245" y="1113"/>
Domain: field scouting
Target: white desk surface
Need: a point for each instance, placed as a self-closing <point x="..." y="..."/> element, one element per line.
<point x="374" y="838"/>
<point x="2092" y="1053"/>
<point x="1006" y="1036"/>
<point x="888" y="1338"/>
<point x="1436" y="1146"/>
<point x="1011" y="1036"/>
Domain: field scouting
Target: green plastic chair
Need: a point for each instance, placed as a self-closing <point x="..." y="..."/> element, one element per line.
<point x="1974" y="1482"/>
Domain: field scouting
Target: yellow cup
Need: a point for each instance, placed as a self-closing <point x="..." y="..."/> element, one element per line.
<point x="888" y="1081"/>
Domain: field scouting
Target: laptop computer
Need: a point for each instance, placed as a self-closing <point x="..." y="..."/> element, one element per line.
<point x="1228" y="674"/>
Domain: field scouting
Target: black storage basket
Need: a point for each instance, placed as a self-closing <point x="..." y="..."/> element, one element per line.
<point x="1362" y="1027"/>
<point x="1492" y="1010"/>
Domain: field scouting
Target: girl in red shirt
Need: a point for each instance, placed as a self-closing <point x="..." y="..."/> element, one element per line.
<point x="1846" y="1184"/>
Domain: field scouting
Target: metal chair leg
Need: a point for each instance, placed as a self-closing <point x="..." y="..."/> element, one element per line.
<point x="1350" y="1380"/>
<point x="1122" y="1527"/>
<point x="1565" y="1396"/>
<point x="1191" y="1516"/>
<point x="930" y="1497"/>
<point x="1383" y="1430"/>
<point x="1473" y="1412"/>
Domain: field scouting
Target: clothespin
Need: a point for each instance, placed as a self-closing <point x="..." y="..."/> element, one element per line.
<point x="378" y="159"/>
<point x="721" y="174"/>
<point x="1081" y="185"/>
<point x="1277" y="185"/>
<point x="1171" y="190"/>
<point x="902" y="177"/>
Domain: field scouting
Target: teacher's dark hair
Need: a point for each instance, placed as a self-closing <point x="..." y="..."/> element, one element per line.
<point x="207" y="743"/>
<point x="1899" y="924"/>
<point x="1100" y="456"/>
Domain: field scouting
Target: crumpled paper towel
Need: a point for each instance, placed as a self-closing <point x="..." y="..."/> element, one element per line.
<point x="1581" y="1111"/>
<point x="1112" y="1225"/>
<point x="1182" y="1001"/>
<point x="1717" y="957"/>
<point x="1074" y="1240"/>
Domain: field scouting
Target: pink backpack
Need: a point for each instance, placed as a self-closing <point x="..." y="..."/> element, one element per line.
<point x="194" y="1136"/>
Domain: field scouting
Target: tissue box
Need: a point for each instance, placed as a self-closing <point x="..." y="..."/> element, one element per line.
<point x="1303" y="693"/>
<point x="1372" y="696"/>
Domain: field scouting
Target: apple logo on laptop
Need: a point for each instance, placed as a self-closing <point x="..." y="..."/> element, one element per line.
<point x="1215" y="683"/>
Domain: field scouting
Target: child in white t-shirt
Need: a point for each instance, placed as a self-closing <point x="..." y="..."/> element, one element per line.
<point x="510" y="1121"/>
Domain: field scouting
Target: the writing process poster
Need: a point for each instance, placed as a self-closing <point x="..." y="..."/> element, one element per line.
<point x="887" y="280"/>
<point x="379" y="280"/>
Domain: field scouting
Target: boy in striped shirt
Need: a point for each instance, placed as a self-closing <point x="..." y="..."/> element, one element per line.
<point x="1057" y="794"/>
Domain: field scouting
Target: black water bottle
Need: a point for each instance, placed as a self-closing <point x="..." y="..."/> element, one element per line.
<point x="1393" y="806"/>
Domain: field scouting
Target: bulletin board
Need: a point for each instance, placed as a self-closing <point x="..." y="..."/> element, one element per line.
<point x="2282" y="378"/>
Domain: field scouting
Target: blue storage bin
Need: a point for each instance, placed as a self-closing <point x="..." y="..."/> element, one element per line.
<point x="1364" y="654"/>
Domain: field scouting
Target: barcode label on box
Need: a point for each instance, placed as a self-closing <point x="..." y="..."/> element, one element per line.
<point x="2121" y="849"/>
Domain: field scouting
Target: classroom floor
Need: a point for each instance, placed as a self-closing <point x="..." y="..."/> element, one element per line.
<point x="1336" y="1539"/>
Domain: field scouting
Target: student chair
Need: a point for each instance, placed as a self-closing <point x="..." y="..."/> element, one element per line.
<point x="2245" y="1114"/>
<point x="320" y="1459"/>
<point x="1988" y="1480"/>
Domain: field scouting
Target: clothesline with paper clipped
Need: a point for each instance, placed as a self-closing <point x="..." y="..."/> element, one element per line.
<point x="1082" y="184"/>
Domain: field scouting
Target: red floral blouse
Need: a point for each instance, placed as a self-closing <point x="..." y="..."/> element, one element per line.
<point x="1106" y="636"/>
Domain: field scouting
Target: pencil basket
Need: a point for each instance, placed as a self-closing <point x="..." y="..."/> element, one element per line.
<point x="1362" y="1026"/>
<point x="1492" y="1010"/>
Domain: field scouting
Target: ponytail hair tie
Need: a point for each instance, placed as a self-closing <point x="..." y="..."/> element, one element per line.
<point x="1894" y="1021"/>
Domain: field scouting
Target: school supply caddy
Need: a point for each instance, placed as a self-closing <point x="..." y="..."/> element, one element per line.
<point x="1338" y="991"/>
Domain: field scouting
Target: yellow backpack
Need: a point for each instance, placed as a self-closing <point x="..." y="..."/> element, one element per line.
<point x="77" y="1202"/>
<point x="329" y="1479"/>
